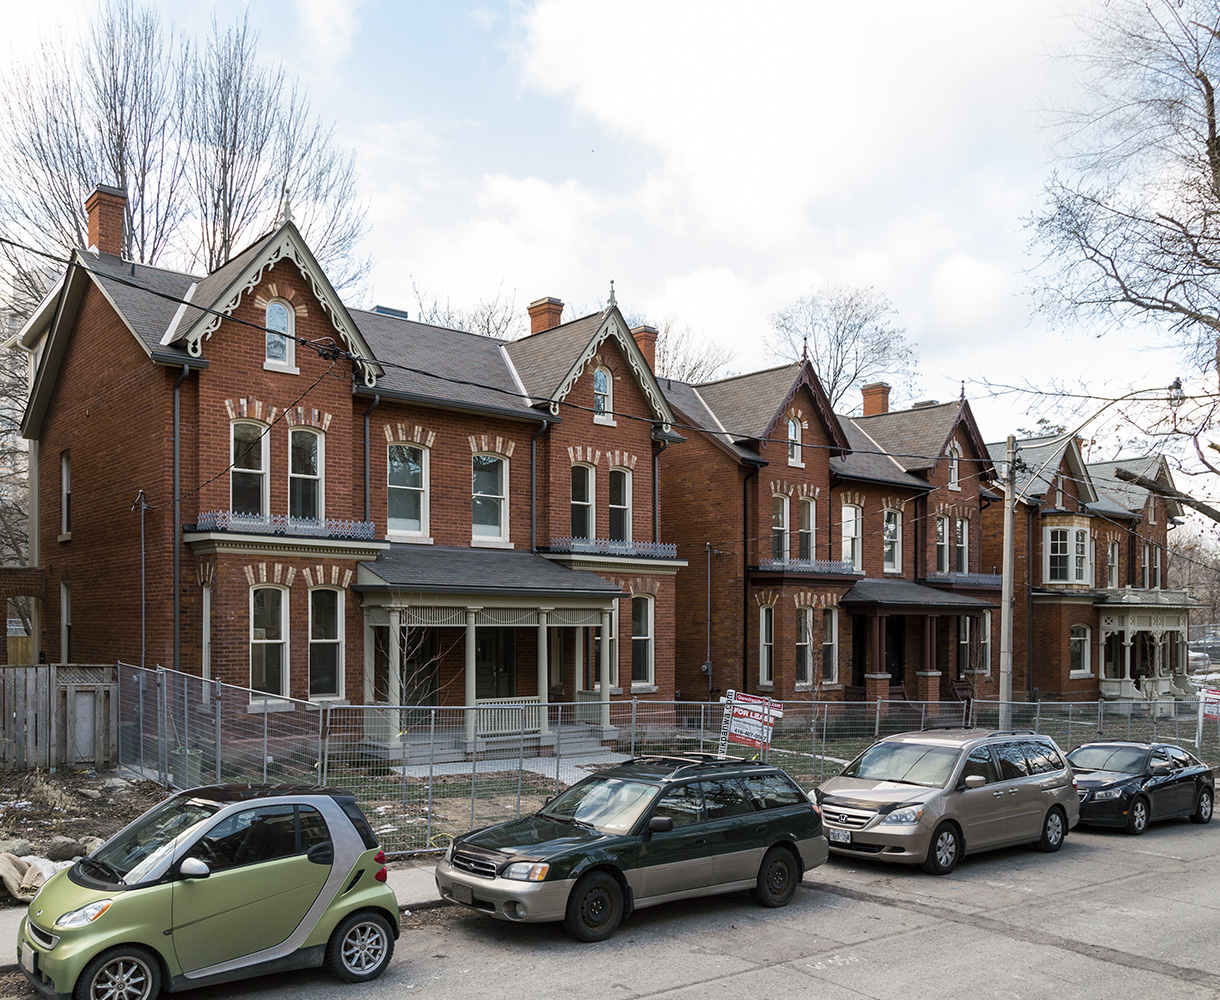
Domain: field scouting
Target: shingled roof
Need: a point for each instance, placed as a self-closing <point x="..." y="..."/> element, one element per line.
<point x="1128" y="496"/>
<point x="870" y="460"/>
<point x="748" y="405"/>
<point x="543" y="360"/>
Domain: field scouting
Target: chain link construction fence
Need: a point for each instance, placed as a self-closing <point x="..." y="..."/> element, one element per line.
<point x="425" y="774"/>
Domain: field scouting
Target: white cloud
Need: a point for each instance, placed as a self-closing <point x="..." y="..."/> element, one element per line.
<point x="328" y="28"/>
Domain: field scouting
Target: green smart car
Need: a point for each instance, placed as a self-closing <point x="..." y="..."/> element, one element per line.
<point x="211" y="885"/>
<point x="648" y="831"/>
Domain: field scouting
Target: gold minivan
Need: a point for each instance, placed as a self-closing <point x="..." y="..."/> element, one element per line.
<point x="933" y="796"/>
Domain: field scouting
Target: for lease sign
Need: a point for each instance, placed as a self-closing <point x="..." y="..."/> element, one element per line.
<point x="748" y="720"/>
<point x="1210" y="703"/>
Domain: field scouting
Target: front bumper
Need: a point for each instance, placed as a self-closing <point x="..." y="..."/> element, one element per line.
<point x="1107" y="812"/>
<point x="904" y="844"/>
<point x="41" y="968"/>
<point x="504" y="898"/>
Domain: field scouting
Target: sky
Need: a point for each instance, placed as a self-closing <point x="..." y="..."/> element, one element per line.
<point x="717" y="160"/>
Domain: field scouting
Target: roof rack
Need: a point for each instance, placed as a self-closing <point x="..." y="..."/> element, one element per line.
<point x="693" y="760"/>
<point x="1014" y="732"/>
<point x="958" y="725"/>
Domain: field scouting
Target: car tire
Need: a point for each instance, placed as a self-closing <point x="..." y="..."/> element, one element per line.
<point x="778" y="876"/>
<point x="595" y="907"/>
<point x="360" y="947"/>
<point x="1137" y="816"/>
<point x="128" y="973"/>
<point x="1054" y="830"/>
<point x="944" y="850"/>
<point x="1204" y="808"/>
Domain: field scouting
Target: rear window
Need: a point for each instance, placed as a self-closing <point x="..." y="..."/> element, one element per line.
<point x="771" y="791"/>
<point x="352" y="811"/>
<point x="1012" y="760"/>
<point x="1042" y="757"/>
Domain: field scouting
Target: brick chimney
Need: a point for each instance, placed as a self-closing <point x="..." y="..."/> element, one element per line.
<point x="107" y="207"/>
<point x="876" y="398"/>
<point x="646" y="340"/>
<point x="545" y="314"/>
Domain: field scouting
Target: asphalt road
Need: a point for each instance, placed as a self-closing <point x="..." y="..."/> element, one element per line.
<point x="1109" y="917"/>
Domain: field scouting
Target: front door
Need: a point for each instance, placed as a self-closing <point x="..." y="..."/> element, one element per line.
<point x="859" y="649"/>
<point x="896" y="648"/>
<point x="495" y="663"/>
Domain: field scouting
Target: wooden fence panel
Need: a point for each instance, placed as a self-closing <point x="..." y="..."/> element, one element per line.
<point x="58" y="715"/>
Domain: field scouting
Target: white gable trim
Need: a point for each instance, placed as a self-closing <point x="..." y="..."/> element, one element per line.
<point x="172" y="332"/>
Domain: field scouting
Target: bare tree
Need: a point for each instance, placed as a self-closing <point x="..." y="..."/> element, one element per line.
<point x="849" y="338"/>
<point x="497" y="316"/>
<point x="1131" y="224"/>
<point x="683" y="354"/>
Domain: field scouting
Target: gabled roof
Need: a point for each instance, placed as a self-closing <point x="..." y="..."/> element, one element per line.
<point x="919" y="438"/>
<point x="870" y="460"/>
<point x="695" y="415"/>
<point x="1128" y="497"/>
<point x="549" y="362"/>
<point x="1039" y="459"/>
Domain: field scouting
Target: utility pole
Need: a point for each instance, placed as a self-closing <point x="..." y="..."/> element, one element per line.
<point x="1006" y="591"/>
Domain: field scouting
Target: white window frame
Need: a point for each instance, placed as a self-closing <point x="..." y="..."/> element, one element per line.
<point x="1082" y="556"/>
<point x="1076" y="551"/>
<point x="424" y="491"/>
<point x="1145" y="564"/>
<point x="891" y="540"/>
<point x="955" y="459"/>
<point x="852" y="543"/>
<point x="766" y="646"/>
<point x="795" y="453"/>
<point x="65" y="495"/>
<point x="205" y="639"/>
<point x="606" y="414"/>
<point x="256" y="694"/>
<point x="807" y="529"/>
<point x="780" y="537"/>
<point x="804" y="622"/>
<point x="1051" y="545"/>
<point x="338" y="641"/>
<point x="287" y="364"/>
<point x="961" y="546"/>
<point x="1156" y="567"/>
<point x="963" y="645"/>
<point x="595" y="667"/>
<point x="1112" y="557"/>
<point x="942" y="544"/>
<point x="589" y="503"/>
<point x="65" y="622"/>
<point x="261" y="471"/>
<point x="1086" y="640"/>
<point x="650" y="639"/>
<point x="494" y="541"/>
<point x="628" y="487"/>
<point x="320" y="478"/>
<point x="830" y="641"/>
<point x="985" y="644"/>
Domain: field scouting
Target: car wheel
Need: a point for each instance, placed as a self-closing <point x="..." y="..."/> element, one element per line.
<point x="1203" y="811"/>
<point x="778" y="876"/>
<point x="595" y="907"/>
<point x="945" y="850"/>
<point x="120" y="974"/>
<point x="1137" y="816"/>
<point x="1054" y="829"/>
<point x="360" y="947"/>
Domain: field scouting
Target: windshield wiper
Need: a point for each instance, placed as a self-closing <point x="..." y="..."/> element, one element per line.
<point x="583" y="824"/>
<point x="104" y="867"/>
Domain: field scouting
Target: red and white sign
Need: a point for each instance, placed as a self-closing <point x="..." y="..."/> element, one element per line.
<point x="1210" y="703"/>
<point x="748" y="720"/>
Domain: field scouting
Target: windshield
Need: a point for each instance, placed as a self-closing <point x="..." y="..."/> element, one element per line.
<point x="909" y="763"/>
<point x="136" y="851"/>
<point x="609" y="805"/>
<point x="1125" y="760"/>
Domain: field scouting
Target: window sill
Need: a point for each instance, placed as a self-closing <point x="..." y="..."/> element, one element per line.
<point x="955" y="489"/>
<point x="279" y="366"/>
<point x="766" y="686"/>
<point x="613" y="690"/>
<point x="1083" y="676"/>
<point x="316" y="704"/>
<point x="643" y="688"/>
<point x="402" y="536"/>
<point x="893" y="572"/>
<point x="269" y="705"/>
<point x="795" y="465"/>
<point x="832" y="687"/>
<point x="65" y="537"/>
<point x="490" y="543"/>
<point x="802" y="687"/>
<point x="605" y="421"/>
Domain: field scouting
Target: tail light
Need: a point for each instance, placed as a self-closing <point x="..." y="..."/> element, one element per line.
<point x="381" y="875"/>
<point x="379" y="858"/>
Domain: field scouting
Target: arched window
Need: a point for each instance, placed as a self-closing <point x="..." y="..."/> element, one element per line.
<point x="955" y="458"/>
<point x="325" y="643"/>
<point x="281" y="348"/>
<point x="962" y="547"/>
<point x="766" y="645"/>
<point x="794" y="442"/>
<point x="620" y="505"/>
<point x="804" y="647"/>
<point x="248" y="469"/>
<point x="582" y="501"/>
<point x="269" y="640"/>
<point x="779" y="528"/>
<point x="407" y="490"/>
<point x="891" y="537"/>
<point x="830" y="645"/>
<point x="306" y="479"/>
<point x="641" y="640"/>
<point x="942" y="544"/>
<point x="489" y="498"/>
<point x="603" y="396"/>
<point x="807" y="528"/>
<point x="853" y="517"/>
<point x="1079" y="653"/>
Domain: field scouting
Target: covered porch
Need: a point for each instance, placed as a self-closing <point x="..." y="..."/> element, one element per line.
<point x="1143" y="645"/>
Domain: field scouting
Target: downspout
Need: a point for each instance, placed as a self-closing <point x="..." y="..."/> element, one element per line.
<point x="745" y="579"/>
<point x="656" y="495"/>
<point x="368" y="504"/>
<point x="186" y="370"/>
<point x="1029" y="603"/>
<point x="534" y="485"/>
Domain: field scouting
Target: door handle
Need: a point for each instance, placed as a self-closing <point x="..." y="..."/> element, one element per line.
<point x="1012" y="791"/>
<point x="761" y="828"/>
<point x="998" y="794"/>
<point x="701" y="840"/>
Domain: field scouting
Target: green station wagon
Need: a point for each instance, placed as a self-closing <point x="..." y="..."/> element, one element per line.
<point x="211" y="885"/>
<point x="648" y="831"/>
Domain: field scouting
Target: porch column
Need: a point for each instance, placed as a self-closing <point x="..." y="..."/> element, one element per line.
<point x="471" y="698"/>
<point x="579" y="657"/>
<point x="877" y="681"/>
<point x="369" y="661"/>
<point x="543" y="670"/>
<point x="395" y="665"/>
<point x="604" y="671"/>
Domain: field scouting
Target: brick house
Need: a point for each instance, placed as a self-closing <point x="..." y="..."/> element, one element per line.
<point x="1091" y="615"/>
<point x="824" y="576"/>
<point x="343" y="505"/>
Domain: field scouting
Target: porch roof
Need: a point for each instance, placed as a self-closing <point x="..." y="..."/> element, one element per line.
<point x="425" y="569"/>
<point x="903" y="595"/>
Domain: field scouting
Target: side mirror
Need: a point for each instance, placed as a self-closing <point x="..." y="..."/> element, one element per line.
<point x="661" y="824"/>
<point x="975" y="781"/>
<point x="194" y="868"/>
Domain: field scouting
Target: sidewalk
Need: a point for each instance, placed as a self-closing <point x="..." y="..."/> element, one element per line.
<point x="412" y="882"/>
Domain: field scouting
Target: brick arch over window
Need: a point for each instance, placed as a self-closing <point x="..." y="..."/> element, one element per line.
<point x="22" y="581"/>
<point x="303" y="416"/>
<point x="249" y="408"/>
<point x="271" y="291"/>
<point x="400" y="433"/>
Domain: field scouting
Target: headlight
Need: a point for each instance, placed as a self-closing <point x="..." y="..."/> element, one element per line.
<point x="904" y="817"/>
<point x="449" y="851"/>
<point x="1107" y="793"/>
<point x="527" y="871"/>
<point x="85" y="915"/>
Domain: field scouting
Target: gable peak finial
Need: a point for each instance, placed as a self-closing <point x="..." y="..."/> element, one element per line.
<point x="285" y="211"/>
<point x="612" y="300"/>
<point x="805" y="348"/>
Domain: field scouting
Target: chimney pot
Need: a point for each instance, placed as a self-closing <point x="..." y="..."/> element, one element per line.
<point x="876" y="398"/>
<point x="646" y="340"/>
<point x="545" y="314"/>
<point x="107" y="209"/>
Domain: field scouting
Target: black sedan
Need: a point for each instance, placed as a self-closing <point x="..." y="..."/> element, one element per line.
<point x="1131" y="784"/>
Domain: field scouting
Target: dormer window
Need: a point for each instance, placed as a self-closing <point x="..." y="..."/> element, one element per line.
<point x="603" y="397"/>
<point x="281" y="348"/>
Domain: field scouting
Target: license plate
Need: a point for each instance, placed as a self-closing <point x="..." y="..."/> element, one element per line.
<point x="463" y="893"/>
<point x="26" y="958"/>
<point x="838" y="836"/>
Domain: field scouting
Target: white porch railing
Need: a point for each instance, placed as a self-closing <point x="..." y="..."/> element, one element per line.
<point x="497" y="716"/>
